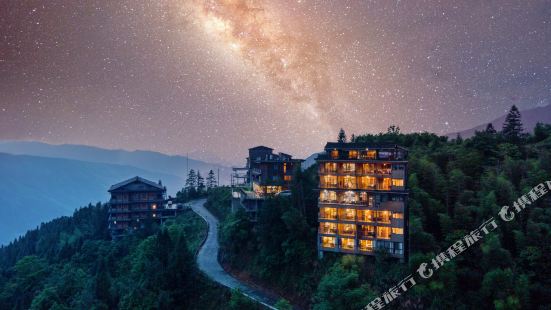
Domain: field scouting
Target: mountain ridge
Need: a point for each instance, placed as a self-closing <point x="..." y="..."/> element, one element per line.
<point x="36" y="189"/>
<point x="530" y="117"/>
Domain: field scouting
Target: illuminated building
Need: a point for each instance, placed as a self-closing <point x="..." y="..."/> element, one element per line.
<point x="265" y="174"/>
<point x="363" y="199"/>
<point x="137" y="202"/>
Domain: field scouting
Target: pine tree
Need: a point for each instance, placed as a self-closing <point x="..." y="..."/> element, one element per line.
<point x="393" y="130"/>
<point x="191" y="181"/>
<point x="512" y="128"/>
<point x="342" y="136"/>
<point x="200" y="182"/>
<point x="211" y="180"/>
<point x="458" y="139"/>
<point x="490" y="129"/>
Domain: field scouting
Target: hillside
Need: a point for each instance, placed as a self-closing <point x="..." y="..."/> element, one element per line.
<point x="37" y="189"/>
<point x="71" y="263"/>
<point x="454" y="186"/>
<point x="147" y="160"/>
<point x="530" y="118"/>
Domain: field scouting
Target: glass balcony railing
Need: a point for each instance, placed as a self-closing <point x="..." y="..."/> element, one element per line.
<point x="347" y="232"/>
<point x="367" y="234"/>
<point x="327" y="216"/>
<point x="328" y="230"/>
<point x="347" y="217"/>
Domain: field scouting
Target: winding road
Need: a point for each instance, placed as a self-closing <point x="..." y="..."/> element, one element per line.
<point x="207" y="259"/>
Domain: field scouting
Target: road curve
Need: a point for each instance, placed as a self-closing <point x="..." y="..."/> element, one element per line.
<point x="207" y="259"/>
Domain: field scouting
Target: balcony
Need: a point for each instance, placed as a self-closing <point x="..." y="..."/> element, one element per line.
<point x="347" y="230"/>
<point x="328" y="242"/>
<point x="367" y="234"/>
<point x="329" y="230"/>
<point x="382" y="220"/>
<point x="344" y="202"/>
<point x="328" y="185"/>
<point x="365" y="245"/>
<point x="347" y="216"/>
<point x="347" y="244"/>
<point x="328" y="215"/>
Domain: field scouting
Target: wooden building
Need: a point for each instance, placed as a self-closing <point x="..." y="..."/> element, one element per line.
<point x="135" y="203"/>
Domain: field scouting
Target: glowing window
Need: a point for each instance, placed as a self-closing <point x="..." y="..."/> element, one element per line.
<point x="366" y="245"/>
<point x="328" y="242"/>
<point x="397" y="231"/>
<point x="334" y="154"/>
<point x="397" y="215"/>
<point x="398" y="182"/>
<point x="347" y="243"/>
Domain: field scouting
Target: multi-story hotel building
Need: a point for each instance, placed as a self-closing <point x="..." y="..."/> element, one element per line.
<point x="363" y="199"/>
<point x="265" y="174"/>
<point x="136" y="202"/>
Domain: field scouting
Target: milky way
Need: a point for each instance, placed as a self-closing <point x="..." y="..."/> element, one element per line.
<point x="213" y="78"/>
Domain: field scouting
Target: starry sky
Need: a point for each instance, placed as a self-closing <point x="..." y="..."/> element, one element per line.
<point x="213" y="78"/>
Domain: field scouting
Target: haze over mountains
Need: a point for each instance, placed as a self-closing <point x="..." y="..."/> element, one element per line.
<point x="530" y="118"/>
<point x="40" y="181"/>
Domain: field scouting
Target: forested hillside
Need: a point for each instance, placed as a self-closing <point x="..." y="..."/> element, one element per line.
<point x="71" y="263"/>
<point x="454" y="186"/>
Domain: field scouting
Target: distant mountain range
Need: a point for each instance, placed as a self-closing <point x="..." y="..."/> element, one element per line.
<point x="530" y="118"/>
<point x="39" y="181"/>
<point x="147" y="160"/>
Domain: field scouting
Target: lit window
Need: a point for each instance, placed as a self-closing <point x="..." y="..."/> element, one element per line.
<point x="383" y="232"/>
<point x="397" y="215"/>
<point x="372" y="154"/>
<point x="347" y="229"/>
<point x="366" y="245"/>
<point x="287" y="178"/>
<point x="334" y="154"/>
<point x="347" y="243"/>
<point x="353" y="154"/>
<point x="348" y="167"/>
<point x="328" y="242"/>
<point x="398" y="182"/>
<point x="397" y="231"/>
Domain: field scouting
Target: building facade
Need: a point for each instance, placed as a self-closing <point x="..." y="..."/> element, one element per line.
<point x="265" y="174"/>
<point x="136" y="202"/>
<point x="363" y="199"/>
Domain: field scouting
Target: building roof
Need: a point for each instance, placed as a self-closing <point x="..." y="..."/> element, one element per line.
<point x="261" y="147"/>
<point x="136" y="179"/>
<point x="356" y="145"/>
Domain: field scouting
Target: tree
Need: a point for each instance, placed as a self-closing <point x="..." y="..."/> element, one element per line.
<point x="490" y="129"/>
<point x="102" y="284"/>
<point x="191" y="181"/>
<point x="393" y="130"/>
<point x="512" y="128"/>
<point x="458" y="139"/>
<point x="211" y="180"/>
<point x="200" y="182"/>
<point x="342" y="136"/>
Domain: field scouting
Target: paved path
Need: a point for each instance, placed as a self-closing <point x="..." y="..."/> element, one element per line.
<point x="207" y="259"/>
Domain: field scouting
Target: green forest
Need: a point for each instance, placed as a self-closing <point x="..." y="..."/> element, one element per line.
<point x="454" y="185"/>
<point x="71" y="263"/>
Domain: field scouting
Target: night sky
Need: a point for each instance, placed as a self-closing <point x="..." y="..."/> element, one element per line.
<point x="213" y="78"/>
